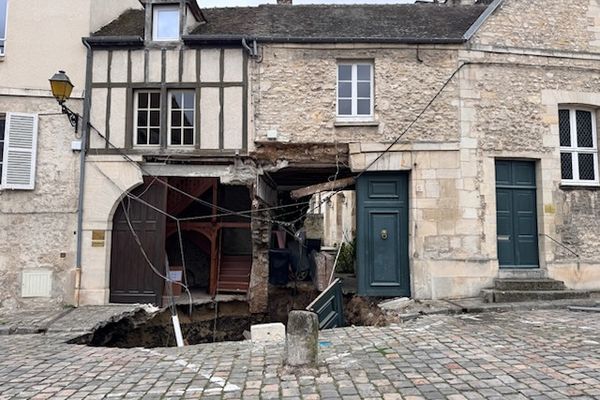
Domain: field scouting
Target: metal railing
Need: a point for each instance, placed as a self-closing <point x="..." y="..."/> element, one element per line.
<point x="564" y="246"/>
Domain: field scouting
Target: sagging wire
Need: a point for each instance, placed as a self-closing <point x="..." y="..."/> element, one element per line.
<point x="176" y="189"/>
<point x="148" y="261"/>
<point x="138" y="241"/>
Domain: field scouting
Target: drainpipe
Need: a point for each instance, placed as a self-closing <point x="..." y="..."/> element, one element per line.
<point x="84" y="144"/>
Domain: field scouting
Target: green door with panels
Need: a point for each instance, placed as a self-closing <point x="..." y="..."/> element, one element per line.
<point x="382" y="235"/>
<point x="516" y="214"/>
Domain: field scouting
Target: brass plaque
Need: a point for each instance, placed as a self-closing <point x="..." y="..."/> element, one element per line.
<point x="98" y="238"/>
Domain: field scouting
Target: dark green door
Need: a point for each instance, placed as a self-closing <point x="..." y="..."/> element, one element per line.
<point x="516" y="214"/>
<point x="382" y="235"/>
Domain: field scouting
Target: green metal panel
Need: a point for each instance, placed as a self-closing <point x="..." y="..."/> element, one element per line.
<point x="516" y="214"/>
<point x="382" y="234"/>
<point x="329" y="307"/>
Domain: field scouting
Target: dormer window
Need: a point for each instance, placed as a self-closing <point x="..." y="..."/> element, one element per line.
<point x="165" y="23"/>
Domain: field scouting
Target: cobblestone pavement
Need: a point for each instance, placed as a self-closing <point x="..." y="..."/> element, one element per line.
<point x="552" y="354"/>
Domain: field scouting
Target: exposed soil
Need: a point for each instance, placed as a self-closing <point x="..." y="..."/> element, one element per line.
<point x="363" y="311"/>
<point x="222" y="322"/>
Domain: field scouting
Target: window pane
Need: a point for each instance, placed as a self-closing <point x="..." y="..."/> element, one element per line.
<point x="167" y="24"/>
<point x="364" y="107"/>
<point x="154" y="118"/>
<point x="584" y="129"/>
<point x="344" y="72"/>
<point x="2" y="127"/>
<point x="155" y="100"/>
<point x="188" y="119"/>
<point x="142" y="100"/>
<point x="188" y="136"/>
<point x="364" y="90"/>
<point x="154" y="136"/>
<point x="345" y="90"/>
<point x="586" y="167"/>
<point x="175" y="118"/>
<point x="363" y="72"/>
<point x="566" y="165"/>
<point x="142" y="137"/>
<point x="188" y="100"/>
<point x="564" y="125"/>
<point x="345" y="107"/>
<point x="176" y="100"/>
<point x="142" y="118"/>
<point x="176" y="136"/>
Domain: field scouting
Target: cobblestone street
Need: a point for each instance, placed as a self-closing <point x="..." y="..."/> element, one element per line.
<point x="551" y="354"/>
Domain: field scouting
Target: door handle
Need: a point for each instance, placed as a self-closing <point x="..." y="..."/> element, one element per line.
<point x="504" y="238"/>
<point x="384" y="234"/>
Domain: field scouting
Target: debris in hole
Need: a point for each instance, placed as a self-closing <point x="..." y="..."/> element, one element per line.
<point x="396" y="304"/>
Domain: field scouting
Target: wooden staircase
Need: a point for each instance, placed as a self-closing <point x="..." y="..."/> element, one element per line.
<point x="234" y="274"/>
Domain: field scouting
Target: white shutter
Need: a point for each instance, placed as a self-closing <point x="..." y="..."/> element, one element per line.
<point x="20" y="145"/>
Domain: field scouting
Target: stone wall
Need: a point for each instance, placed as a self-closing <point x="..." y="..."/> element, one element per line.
<point x="294" y="92"/>
<point x="37" y="228"/>
<point x="568" y="25"/>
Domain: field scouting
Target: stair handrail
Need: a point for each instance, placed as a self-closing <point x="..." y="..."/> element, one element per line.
<point x="564" y="246"/>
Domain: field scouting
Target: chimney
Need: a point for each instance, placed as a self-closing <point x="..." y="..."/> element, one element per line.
<point x="288" y="2"/>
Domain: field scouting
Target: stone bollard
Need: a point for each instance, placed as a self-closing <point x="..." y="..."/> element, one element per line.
<point x="302" y="346"/>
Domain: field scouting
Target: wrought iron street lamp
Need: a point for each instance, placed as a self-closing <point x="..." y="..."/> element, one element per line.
<point x="61" y="89"/>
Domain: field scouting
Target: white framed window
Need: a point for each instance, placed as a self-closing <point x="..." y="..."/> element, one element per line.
<point x="165" y="22"/>
<point x="3" y="22"/>
<point x="182" y="117"/>
<point x="578" y="146"/>
<point x="355" y="91"/>
<point x="147" y="118"/>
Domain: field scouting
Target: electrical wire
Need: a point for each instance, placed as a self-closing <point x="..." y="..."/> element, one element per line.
<point x="410" y="125"/>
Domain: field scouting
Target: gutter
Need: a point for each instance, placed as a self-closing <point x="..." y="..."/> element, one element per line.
<point x="481" y="20"/>
<point x="236" y="39"/>
<point x="113" y="41"/>
<point x="87" y="101"/>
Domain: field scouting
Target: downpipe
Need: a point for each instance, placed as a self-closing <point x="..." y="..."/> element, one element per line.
<point x="84" y="144"/>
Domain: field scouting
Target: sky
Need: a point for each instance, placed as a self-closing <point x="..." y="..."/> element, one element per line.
<point x="234" y="3"/>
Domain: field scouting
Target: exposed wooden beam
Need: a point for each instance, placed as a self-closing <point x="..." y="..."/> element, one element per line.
<point x="321" y="187"/>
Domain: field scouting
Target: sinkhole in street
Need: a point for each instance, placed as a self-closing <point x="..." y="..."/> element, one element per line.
<point x="212" y="322"/>
<point x="208" y="323"/>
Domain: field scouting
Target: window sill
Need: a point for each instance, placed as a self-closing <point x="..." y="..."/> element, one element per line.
<point x="340" y="124"/>
<point x="569" y="186"/>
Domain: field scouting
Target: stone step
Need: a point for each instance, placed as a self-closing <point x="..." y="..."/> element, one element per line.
<point x="513" y="296"/>
<point x="528" y="284"/>
<point x="522" y="273"/>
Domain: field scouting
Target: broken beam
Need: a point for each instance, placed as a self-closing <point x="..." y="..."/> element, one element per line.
<point x="321" y="187"/>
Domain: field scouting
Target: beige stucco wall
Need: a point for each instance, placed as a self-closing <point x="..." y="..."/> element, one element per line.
<point x="37" y="228"/>
<point x="45" y="36"/>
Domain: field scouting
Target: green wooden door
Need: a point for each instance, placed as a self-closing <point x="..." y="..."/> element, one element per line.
<point x="516" y="214"/>
<point x="382" y="235"/>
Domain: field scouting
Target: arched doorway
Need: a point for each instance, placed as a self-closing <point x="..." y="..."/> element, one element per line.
<point x="138" y="246"/>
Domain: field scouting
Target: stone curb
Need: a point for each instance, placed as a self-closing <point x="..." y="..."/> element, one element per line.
<point x="455" y="308"/>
